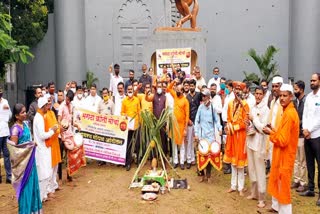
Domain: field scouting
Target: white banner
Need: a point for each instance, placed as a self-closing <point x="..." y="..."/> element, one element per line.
<point x="179" y="56"/>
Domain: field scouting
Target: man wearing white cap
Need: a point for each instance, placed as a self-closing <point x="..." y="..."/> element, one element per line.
<point x="285" y="141"/>
<point x="43" y="153"/>
<point x="274" y="115"/>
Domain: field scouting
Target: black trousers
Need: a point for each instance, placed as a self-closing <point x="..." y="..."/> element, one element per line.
<point x="312" y="150"/>
<point x="129" y="147"/>
<point x="208" y="171"/>
<point x="60" y="164"/>
<point x="164" y="141"/>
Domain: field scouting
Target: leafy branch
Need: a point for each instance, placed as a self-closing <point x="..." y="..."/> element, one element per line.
<point x="267" y="66"/>
<point x="10" y="51"/>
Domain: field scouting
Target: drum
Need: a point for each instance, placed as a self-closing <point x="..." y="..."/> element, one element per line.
<point x="203" y="147"/>
<point x="215" y="148"/>
<point x="69" y="144"/>
<point x="251" y="130"/>
<point x="78" y="139"/>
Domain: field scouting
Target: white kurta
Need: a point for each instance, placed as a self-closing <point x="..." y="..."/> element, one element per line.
<point x="92" y="103"/>
<point x="117" y="104"/>
<point x="260" y="115"/>
<point x="251" y="100"/>
<point x="257" y="151"/>
<point x="228" y="98"/>
<point x="43" y="154"/>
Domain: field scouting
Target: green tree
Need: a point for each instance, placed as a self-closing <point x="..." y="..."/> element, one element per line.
<point x="91" y="79"/>
<point x="29" y="19"/>
<point x="10" y="51"/>
<point x="267" y="66"/>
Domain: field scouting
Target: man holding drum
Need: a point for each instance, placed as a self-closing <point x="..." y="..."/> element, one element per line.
<point x="205" y="122"/>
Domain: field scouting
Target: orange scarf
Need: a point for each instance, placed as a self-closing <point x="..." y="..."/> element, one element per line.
<point x="49" y="121"/>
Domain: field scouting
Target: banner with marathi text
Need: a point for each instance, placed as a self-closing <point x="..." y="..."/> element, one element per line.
<point x="104" y="136"/>
<point x="179" y="56"/>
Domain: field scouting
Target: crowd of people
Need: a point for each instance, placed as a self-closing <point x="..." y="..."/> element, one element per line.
<point x="268" y="134"/>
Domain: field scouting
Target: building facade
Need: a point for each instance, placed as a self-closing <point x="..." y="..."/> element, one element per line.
<point x="90" y="35"/>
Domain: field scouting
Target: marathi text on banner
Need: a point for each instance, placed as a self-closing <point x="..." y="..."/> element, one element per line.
<point x="179" y="56"/>
<point x="104" y="136"/>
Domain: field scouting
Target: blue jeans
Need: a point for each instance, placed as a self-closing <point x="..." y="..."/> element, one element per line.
<point x="6" y="155"/>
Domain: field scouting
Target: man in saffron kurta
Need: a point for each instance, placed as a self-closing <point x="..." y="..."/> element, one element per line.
<point x="181" y="113"/>
<point x="285" y="141"/>
<point x="50" y="120"/>
<point x="235" y="152"/>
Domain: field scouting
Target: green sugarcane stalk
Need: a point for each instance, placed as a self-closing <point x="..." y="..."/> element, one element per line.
<point x="140" y="166"/>
<point x="164" y="167"/>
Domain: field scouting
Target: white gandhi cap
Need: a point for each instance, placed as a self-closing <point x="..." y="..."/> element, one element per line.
<point x="277" y="79"/>
<point x="42" y="101"/>
<point x="286" y="87"/>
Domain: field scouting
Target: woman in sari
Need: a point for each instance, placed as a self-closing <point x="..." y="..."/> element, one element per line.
<point x="24" y="170"/>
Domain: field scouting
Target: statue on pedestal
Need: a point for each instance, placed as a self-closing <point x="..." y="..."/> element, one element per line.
<point x="183" y="8"/>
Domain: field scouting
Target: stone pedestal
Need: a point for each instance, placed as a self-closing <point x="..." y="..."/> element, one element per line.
<point x="164" y="38"/>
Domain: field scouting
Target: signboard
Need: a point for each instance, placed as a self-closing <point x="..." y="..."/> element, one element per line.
<point x="105" y="136"/>
<point x="180" y="57"/>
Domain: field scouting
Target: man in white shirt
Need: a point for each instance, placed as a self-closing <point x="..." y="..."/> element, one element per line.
<point x="311" y="132"/>
<point x="43" y="153"/>
<point x="275" y="114"/>
<point x="78" y="100"/>
<point x="118" y="99"/>
<point x="215" y="98"/>
<point x="264" y="84"/>
<point x="217" y="103"/>
<point x="114" y="79"/>
<point x="93" y="100"/>
<point x="229" y="96"/>
<point x="4" y="133"/>
<point x="248" y="96"/>
<point x="199" y="79"/>
<point x="215" y="79"/>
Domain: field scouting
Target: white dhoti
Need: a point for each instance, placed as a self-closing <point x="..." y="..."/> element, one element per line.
<point x="257" y="173"/>
<point x="189" y="154"/>
<point x="44" y="186"/>
<point x="53" y="184"/>
<point x="281" y="208"/>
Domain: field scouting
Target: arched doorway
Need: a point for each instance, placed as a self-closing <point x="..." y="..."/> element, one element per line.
<point x="132" y="28"/>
